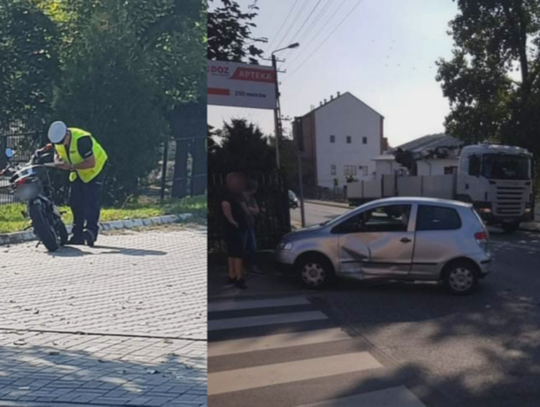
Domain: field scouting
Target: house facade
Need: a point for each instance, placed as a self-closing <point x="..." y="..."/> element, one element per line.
<point x="338" y="141"/>
<point x="436" y="154"/>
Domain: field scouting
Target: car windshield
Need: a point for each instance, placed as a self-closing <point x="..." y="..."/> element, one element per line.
<point x="341" y="217"/>
<point x="502" y="166"/>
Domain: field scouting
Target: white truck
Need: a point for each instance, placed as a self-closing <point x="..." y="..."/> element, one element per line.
<point x="496" y="179"/>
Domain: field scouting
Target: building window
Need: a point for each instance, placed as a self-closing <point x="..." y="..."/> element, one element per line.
<point x="366" y="171"/>
<point x="332" y="139"/>
<point x="333" y="169"/>
<point x="450" y="170"/>
<point x="364" y="140"/>
<point x="349" y="139"/>
<point x="349" y="170"/>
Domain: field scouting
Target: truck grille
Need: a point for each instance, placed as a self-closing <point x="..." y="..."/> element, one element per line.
<point x="510" y="201"/>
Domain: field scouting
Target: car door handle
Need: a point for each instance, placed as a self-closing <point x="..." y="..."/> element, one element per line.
<point x="405" y="240"/>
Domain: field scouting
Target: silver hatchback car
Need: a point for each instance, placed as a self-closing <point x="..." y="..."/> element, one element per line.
<point x="393" y="238"/>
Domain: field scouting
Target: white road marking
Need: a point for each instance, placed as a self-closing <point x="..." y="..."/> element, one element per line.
<point x="268" y="375"/>
<point x="262" y="320"/>
<point x="235" y="346"/>
<point x="254" y="304"/>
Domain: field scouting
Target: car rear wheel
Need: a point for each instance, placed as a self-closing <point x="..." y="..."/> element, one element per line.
<point x="461" y="278"/>
<point x="316" y="272"/>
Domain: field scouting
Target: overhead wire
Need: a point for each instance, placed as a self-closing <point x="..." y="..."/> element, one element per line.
<point x="313" y="24"/>
<point x="306" y="45"/>
<point x="269" y="46"/>
<point x="291" y="25"/>
<point x="326" y="39"/>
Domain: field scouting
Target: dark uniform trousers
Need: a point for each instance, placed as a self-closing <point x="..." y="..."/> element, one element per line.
<point x="85" y="203"/>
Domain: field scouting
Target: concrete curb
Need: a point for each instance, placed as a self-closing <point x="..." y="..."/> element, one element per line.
<point x="21" y="237"/>
<point x="327" y="203"/>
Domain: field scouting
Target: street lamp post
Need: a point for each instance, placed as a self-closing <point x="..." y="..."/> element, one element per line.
<point x="277" y="110"/>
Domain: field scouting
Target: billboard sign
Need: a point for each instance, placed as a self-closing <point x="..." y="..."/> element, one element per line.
<point x="241" y="85"/>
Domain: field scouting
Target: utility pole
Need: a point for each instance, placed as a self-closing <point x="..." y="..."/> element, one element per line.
<point x="300" y="186"/>
<point x="277" y="113"/>
<point x="277" y="110"/>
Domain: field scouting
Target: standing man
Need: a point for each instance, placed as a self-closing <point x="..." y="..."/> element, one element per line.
<point x="79" y="152"/>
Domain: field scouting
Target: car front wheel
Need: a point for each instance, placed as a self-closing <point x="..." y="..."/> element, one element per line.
<point x="461" y="278"/>
<point x="316" y="272"/>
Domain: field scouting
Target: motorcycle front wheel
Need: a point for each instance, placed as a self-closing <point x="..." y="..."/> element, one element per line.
<point x="43" y="230"/>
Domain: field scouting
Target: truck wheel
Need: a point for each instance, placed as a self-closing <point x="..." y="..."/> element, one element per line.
<point x="510" y="227"/>
<point x="43" y="230"/>
<point x="460" y="277"/>
<point x="316" y="271"/>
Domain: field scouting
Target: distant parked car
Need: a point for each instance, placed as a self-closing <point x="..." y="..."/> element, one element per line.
<point x="394" y="238"/>
<point x="293" y="200"/>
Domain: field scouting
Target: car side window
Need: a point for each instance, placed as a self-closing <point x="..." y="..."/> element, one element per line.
<point x="388" y="218"/>
<point x="437" y="218"/>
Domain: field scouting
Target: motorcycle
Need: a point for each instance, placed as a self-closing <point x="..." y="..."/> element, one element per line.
<point x="31" y="183"/>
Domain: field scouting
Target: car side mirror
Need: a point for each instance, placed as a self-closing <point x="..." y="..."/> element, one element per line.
<point x="9" y="153"/>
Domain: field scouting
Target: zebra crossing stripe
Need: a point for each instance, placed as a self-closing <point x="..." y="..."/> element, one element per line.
<point x="262" y="320"/>
<point x="391" y="397"/>
<point x="235" y="346"/>
<point x="254" y="304"/>
<point x="281" y="373"/>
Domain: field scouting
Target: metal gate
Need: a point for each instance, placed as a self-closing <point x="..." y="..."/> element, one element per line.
<point x="272" y="197"/>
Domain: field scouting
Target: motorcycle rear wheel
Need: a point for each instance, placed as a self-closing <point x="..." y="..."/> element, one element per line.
<point x="43" y="230"/>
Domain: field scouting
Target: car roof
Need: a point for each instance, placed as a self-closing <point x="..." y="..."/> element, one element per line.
<point x="420" y="200"/>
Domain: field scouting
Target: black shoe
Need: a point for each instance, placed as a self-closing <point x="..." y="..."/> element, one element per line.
<point x="76" y="241"/>
<point x="241" y="284"/>
<point x="89" y="238"/>
<point x="231" y="280"/>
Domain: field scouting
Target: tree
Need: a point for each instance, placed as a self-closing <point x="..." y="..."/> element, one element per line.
<point x="29" y="64"/>
<point x="492" y="80"/>
<point x="241" y="146"/>
<point x="129" y="69"/>
<point x="229" y="31"/>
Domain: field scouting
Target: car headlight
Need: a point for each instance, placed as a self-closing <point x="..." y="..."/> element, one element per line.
<point x="285" y="245"/>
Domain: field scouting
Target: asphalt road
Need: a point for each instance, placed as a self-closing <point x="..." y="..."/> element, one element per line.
<point x="411" y="344"/>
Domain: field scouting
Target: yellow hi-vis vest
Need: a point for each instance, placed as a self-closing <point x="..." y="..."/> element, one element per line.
<point x="75" y="158"/>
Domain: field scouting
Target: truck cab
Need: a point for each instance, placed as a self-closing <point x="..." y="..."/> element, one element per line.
<point x="497" y="180"/>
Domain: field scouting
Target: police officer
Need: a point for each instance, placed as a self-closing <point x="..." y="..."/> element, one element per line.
<point x="79" y="152"/>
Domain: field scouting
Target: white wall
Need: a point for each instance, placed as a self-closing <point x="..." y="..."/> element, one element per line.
<point x="435" y="167"/>
<point x="387" y="167"/>
<point x="346" y="116"/>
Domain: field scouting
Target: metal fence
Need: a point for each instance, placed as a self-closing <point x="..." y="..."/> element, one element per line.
<point x="176" y="173"/>
<point x="337" y="194"/>
<point x="159" y="183"/>
<point x="272" y="197"/>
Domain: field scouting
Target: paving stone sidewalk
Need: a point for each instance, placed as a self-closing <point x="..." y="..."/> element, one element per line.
<point x="123" y="323"/>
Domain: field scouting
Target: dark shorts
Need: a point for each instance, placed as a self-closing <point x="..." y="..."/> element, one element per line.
<point x="235" y="242"/>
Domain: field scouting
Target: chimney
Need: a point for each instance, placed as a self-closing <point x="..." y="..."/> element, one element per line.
<point x="324" y="101"/>
<point x="331" y="97"/>
<point x="338" y="94"/>
<point x="320" y="104"/>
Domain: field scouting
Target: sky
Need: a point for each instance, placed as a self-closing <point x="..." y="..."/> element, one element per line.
<point x="383" y="52"/>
